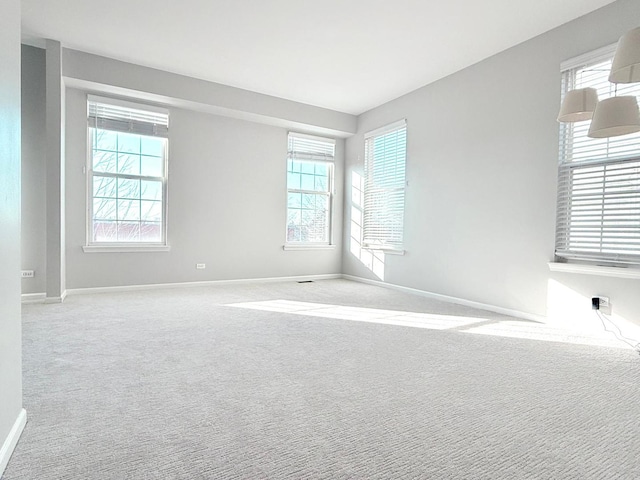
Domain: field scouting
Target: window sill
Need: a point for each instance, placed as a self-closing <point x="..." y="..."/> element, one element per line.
<point x="308" y="247"/>
<point x="124" y="248"/>
<point x="619" y="272"/>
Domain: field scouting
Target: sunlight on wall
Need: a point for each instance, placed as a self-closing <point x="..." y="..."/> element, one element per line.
<point x="508" y="327"/>
<point x="372" y="259"/>
<point x="571" y="309"/>
<point x="567" y="307"/>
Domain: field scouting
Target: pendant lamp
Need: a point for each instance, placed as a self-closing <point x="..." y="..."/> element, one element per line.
<point x="626" y="61"/>
<point x="615" y="116"/>
<point x="578" y="105"/>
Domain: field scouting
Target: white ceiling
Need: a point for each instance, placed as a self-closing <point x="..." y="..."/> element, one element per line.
<point x="346" y="55"/>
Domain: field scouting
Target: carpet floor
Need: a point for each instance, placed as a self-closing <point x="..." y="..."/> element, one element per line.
<point x="325" y="380"/>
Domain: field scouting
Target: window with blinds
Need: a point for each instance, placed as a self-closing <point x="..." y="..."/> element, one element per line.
<point x="598" y="217"/>
<point x="384" y="186"/>
<point x="309" y="189"/>
<point x="127" y="173"/>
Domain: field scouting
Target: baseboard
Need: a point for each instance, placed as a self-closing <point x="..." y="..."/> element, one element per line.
<point x="42" y="298"/>
<point x="59" y="299"/>
<point x="33" y="297"/>
<point x="155" y="286"/>
<point x="11" y="441"/>
<point x="447" y="298"/>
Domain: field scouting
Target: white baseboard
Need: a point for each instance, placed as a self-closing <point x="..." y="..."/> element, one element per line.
<point x="42" y="298"/>
<point x="11" y="441"/>
<point x="59" y="299"/>
<point x="447" y="298"/>
<point x="131" y="288"/>
<point x="33" y="297"/>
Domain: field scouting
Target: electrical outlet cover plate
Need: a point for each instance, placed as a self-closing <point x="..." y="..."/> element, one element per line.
<point x="604" y="301"/>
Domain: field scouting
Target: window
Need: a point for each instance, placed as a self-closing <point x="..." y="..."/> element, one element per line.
<point x="385" y="160"/>
<point x="309" y="187"/>
<point x="598" y="216"/>
<point x="127" y="173"/>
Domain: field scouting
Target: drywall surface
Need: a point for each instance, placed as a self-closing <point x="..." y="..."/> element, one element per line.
<point x="10" y="324"/>
<point x="226" y="206"/>
<point x="482" y="177"/>
<point x="86" y="70"/>
<point x="55" y="167"/>
<point x="33" y="169"/>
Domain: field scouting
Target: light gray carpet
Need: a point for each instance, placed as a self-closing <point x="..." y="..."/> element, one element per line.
<point x="179" y="384"/>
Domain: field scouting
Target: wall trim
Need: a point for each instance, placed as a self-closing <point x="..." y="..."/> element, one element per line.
<point x="59" y="299"/>
<point x="449" y="299"/>
<point x="11" y="441"/>
<point x="600" y="270"/>
<point x="33" y="297"/>
<point x="155" y="286"/>
<point x="298" y="278"/>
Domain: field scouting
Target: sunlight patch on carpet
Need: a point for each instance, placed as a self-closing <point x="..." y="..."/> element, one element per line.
<point x="466" y="324"/>
<point x="360" y="314"/>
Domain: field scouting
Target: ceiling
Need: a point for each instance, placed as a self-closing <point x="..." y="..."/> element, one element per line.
<point x="345" y="55"/>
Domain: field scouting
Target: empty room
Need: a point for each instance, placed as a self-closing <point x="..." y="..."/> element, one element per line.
<point x="288" y="239"/>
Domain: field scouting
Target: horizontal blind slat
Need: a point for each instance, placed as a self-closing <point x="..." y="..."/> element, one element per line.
<point x="385" y="165"/>
<point x="128" y="119"/>
<point x="598" y="208"/>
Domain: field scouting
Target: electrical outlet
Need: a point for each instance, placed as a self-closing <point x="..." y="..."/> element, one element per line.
<point x="28" y="273"/>
<point x="601" y="303"/>
<point x="201" y="266"/>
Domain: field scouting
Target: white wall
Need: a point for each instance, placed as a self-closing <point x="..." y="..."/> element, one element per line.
<point x="33" y="169"/>
<point x="10" y="325"/>
<point x="227" y="206"/>
<point x="482" y="174"/>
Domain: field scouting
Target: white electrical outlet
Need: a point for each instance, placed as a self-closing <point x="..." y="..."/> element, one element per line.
<point x="28" y="273"/>
<point x="201" y="266"/>
<point x="604" y="305"/>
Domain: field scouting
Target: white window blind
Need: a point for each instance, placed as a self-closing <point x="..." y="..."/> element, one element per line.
<point x="309" y="187"/>
<point x="127" y="173"/>
<point x="309" y="147"/>
<point x="121" y="116"/>
<point x="598" y="217"/>
<point x="384" y="186"/>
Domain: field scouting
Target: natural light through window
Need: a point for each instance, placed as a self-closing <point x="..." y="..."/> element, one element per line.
<point x="501" y="327"/>
<point x="598" y="216"/>
<point x="309" y="189"/>
<point x="372" y="259"/>
<point x="127" y="174"/>
<point x="384" y="187"/>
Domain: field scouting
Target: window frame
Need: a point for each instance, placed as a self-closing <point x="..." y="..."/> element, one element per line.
<point x="92" y="246"/>
<point x="385" y="246"/>
<point x="567" y="168"/>
<point x="312" y="158"/>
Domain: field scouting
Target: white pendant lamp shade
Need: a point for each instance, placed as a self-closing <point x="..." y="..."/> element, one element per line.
<point x="615" y="116"/>
<point x="578" y="105"/>
<point x="626" y="62"/>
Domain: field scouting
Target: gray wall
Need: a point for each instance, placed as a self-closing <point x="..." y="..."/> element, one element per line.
<point x="10" y="329"/>
<point x="84" y="70"/>
<point x="33" y="169"/>
<point x="227" y="206"/>
<point x="227" y="194"/>
<point x="482" y="176"/>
